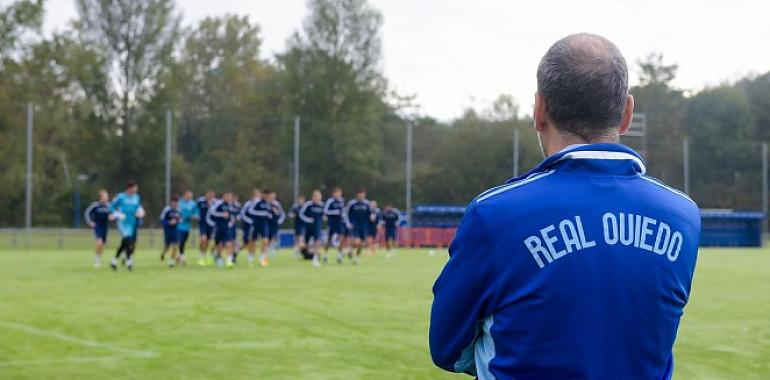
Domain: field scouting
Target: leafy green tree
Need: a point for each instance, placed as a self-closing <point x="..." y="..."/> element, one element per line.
<point x="332" y="80"/>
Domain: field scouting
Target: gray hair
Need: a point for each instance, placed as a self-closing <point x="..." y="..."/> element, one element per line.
<point x="583" y="79"/>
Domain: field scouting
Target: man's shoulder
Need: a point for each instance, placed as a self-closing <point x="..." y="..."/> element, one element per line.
<point x="513" y="191"/>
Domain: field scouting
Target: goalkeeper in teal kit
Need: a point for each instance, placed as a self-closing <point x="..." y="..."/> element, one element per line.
<point x="128" y="212"/>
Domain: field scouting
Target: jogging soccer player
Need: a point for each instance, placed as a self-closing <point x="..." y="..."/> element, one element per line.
<point x="247" y="225"/>
<point x="127" y="209"/>
<point x="312" y="214"/>
<point x="391" y="218"/>
<point x="277" y="217"/>
<point x="235" y="211"/>
<point x="333" y="208"/>
<point x="205" y="226"/>
<point x="188" y="210"/>
<point x="357" y="216"/>
<point x="299" y="230"/>
<point x="219" y="213"/>
<point x="260" y="213"/>
<point x="580" y="268"/>
<point x="98" y="215"/>
<point x="374" y="224"/>
<point x="169" y="219"/>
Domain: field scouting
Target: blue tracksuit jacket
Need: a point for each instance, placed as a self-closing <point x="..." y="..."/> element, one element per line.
<point x="579" y="269"/>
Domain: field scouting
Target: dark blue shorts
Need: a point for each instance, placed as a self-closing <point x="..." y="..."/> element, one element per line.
<point x="100" y="232"/>
<point x="246" y="232"/>
<point x="259" y="230"/>
<point x="299" y="227"/>
<point x="390" y="233"/>
<point x="312" y="232"/>
<point x="336" y="227"/>
<point x="272" y="231"/>
<point x="205" y="229"/>
<point x="373" y="230"/>
<point x="359" y="232"/>
<point x="170" y="236"/>
<point x="183" y="235"/>
<point x="222" y="235"/>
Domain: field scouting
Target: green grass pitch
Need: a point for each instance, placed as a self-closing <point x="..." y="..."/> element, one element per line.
<point x="60" y="318"/>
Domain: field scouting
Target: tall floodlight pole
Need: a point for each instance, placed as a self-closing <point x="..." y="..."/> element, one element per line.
<point x="409" y="130"/>
<point x="296" y="157"/>
<point x="764" y="185"/>
<point x="28" y="204"/>
<point x="516" y="152"/>
<point x="686" y="164"/>
<point x="168" y="157"/>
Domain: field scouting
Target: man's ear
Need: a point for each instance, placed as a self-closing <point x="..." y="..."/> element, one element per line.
<point x="539" y="114"/>
<point x="628" y="115"/>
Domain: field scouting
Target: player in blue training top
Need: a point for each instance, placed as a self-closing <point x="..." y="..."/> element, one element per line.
<point x="188" y="210"/>
<point x="312" y="214"/>
<point x="374" y="225"/>
<point x="128" y="211"/>
<point x="205" y="227"/>
<point x="277" y="217"/>
<point x="98" y="215"/>
<point x="260" y="213"/>
<point x="357" y="216"/>
<point x="391" y="218"/>
<point x="333" y="208"/>
<point x="220" y="214"/>
<point x="582" y="267"/>
<point x="247" y="224"/>
<point x="235" y="211"/>
<point x="169" y="219"/>
<point x="299" y="229"/>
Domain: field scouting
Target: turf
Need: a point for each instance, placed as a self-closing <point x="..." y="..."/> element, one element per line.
<point x="61" y="319"/>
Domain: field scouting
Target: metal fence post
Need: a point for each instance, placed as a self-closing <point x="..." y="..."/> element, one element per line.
<point x="764" y="186"/>
<point x="28" y="203"/>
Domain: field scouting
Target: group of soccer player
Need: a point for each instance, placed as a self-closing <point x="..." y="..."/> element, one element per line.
<point x="351" y="227"/>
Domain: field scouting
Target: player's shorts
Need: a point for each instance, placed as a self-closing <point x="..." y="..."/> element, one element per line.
<point x="312" y="232"/>
<point x="205" y="230"/>
<point x="390" y="233"/>
<point x="170" y="236"/>
<point x="336" y="227"/>
<point x="222" y="235"/>
<point x="232" y="232"/>
<point x="373" y="230"/>
<point x="272" y="231"/>
<point x="259" y="230"/>
<point x="246" y="232"/>
<point x="100" y="232"/>
<point x="183" y="236"/>
<point x="299" y="227"/>
<point x="359" y="232"/>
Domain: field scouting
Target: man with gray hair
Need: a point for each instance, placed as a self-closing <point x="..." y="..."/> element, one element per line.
<point x="580" y="268"/>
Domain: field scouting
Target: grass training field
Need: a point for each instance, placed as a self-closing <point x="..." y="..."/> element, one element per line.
<point x="60" y="318"/>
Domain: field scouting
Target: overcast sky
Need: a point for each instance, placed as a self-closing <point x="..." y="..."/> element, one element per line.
<point x="458" y="53"/>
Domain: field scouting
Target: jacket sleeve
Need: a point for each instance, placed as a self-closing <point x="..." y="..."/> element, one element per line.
<point x="463" y="295"/>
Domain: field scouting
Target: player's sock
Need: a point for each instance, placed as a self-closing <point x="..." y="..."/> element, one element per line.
<point x="97" y="261"/>
<point x="340" y="257"/>
<point x="316" y="263"/>
<point x="325" y="258"/>
<point x="114" y="263"/>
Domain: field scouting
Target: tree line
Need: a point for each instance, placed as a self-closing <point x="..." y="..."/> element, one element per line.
<point x="101" y="88"/>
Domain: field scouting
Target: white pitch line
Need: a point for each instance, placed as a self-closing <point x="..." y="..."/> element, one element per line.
<point x="80" y="359"/>
<point x="67" y="338"/>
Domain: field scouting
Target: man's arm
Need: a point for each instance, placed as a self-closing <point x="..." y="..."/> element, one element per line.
<point x="463" y="294"/>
